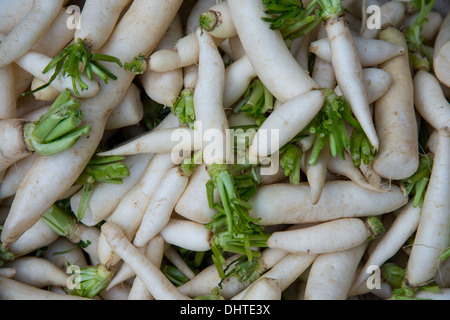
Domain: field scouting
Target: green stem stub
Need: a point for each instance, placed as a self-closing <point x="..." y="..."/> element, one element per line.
<point x="290" y="160"/>
<point x="138" y="65"/>
<point x="75" y="60"/>
<point x="107" y="169"/>
<point x="58" y="129"/>
<point x="5" y="255"/>
<point x="91" y="280"/>
<point x="60" y="220"/>
<point x="184" y="109"/>
<point x="416" y="185"/>
<point x="234" y="231"/>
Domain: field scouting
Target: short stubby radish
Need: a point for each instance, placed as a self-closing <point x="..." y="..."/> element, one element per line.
<point x="331" y="236"/>
<point x="396" y="125"/>
<point x="293" y="205"/>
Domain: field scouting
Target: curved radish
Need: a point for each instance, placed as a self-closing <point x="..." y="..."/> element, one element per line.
<point x="398" y="156"/>
<point x="293" y="205"/>
<point x="441" y="57"/>
<point x="196" y="238"/>
<point x="217" y="21"/>
<point x="265" y="289"/>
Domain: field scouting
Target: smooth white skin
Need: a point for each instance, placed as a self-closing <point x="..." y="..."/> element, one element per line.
<point x="38" y="272"/>
<point x="391" y="13"/>
<point x="37" y="236"/>
<point x="266" y="289"/>
<point x="7" y="94"/>
<point x="433" y="233"/>
<point x="193" y="203"/>
<point x="106" y="196"/>
<point x="441" y="57"/>
<point x="62" y="251"/>
<point x="288" y="119"/>
<point x="49" y="177"/>
<point x="224" y="27"/>
<point x="7" y="272"/>
<point x="156" y="282"/>
<point x="316" y="174"/>
<point x="431" y="27"/>
<point x="16" y="290"/>
<point x="97" y="21"/>
<point x="444" y="294"/>
<point x="349" y="75"/>
<point x="12" y="147"/>
<point x="208" y="101"/>
<point x="286" y="271"/>
<point x="267" y="52"/>
<point x="13" y="13"/>
<point x="34" y="62"/>
<point x="377" y="83"/>
<point x="129" y="111"/>
<point x="238" y="76"/>
<point x="388" y="245"/>
<point x="335" y="235"/>
<point x="190" y="76"/>
<point x="345" y="167"/>
<point x="165" y="87"/>
<point x="323" y="72"/>
<point x="47" y="94"/>
<point x="187" y="234"/>
<point x="430" y="102"/>
<point x="27" y="33"/>
<point x="160" y="141"/>
<point x="372" y="52"/>
<point x="161" y="206"/>
<point x="398" y="156"/>
<point x="293" y="204"/>
<point x="331" y="274"/>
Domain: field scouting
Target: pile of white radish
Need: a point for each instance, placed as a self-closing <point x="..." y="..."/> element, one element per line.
<point x="224" y="149"/>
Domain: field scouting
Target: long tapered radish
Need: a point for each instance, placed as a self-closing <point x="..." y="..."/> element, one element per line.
<point x="331" y="274"/>
<point x="157" y="283"/>
<point x="331" y="236"/>
<point x="293" y="205"/>
<point x="38" y="272"/>
<point x="288" y="119"/>
<point x="395" y="118"/>
<point x="316" y="174"/>
<point x="268" y="53"/>
<point x="16" y="290"/>
<point x="212" y="123"/>
<point x="441" y="57"/>
<point x="348" y="70"/>
<point x="238" y="76"/>
<point x="97" y="21"/>
<point x="125" y="43"/>
<point x="323" y="72"/>
<point x="395" y="237"/>
<point x="27" y="33"/>
<point x="430" y="102"/>
<point x="196" y="238"/>
<point x="161" y="206"/>
<point x="432" y="236"/>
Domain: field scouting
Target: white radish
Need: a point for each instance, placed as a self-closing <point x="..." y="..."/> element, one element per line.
<point x="27" y="33"/>
<point x="13" y="13"/>
<point x="47" y="94"/>
<point x="217" y="21"/>
<point x="172" y="255"/>
<point x="63" y="253"/>
<point x="38" y="272"/>
<point x="16" y="290"/>
<point x="187" y="234"/>
<point x="432" y="236"/>
<point x="7" y="94"/>
<point x="156" y="282"/>
<point x="196" y="10"/>
<point x="13" y="146"/>
<point x="97" y="21"/>
<point x="331" y="236"/>
<point x="316" y="174"/>
<point x="265" y="289"/>
<point x="331" y="274"/>
<point x="430" y="28"/>
<point x="391" y="13"/>
<point x="323" y="72"/>
<point x="396" y="125"/>
<point x="130" y="110"/>
<point x="441" y="56"/>
<point x="287" y="120"/>
<point x="389" y="244"/>
<point x="161" y="206"/>
<point x="238" y="76"/>
<point x="293" y="205"/>
<point x="430" y="102"/>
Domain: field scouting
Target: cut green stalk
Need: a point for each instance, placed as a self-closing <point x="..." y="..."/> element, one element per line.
<point x="58" y="129"/>
<point x="92" y="280"/>
<point x="61" y="221"/>
<point x="417" y="183"/>
<point x="107" y="169"/>
<point x="188" y="165"/>
<point x="290" y="159"/>
<point x="174" y="275"/>
<point x="76" y="59"/>
<point x="138" y="65"/>
<point x="184" y="109"/>
<point x="420" y="57"/>
<point x="375" y="226"/>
